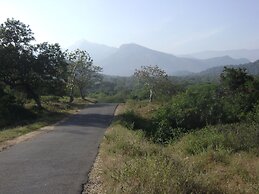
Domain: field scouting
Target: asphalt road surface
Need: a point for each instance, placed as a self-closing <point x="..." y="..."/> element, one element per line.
<point x="58" y="161"/>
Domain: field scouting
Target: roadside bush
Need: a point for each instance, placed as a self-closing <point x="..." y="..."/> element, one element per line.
<point x="133" y="121"/>
<point x="231" y="138"/>
<point x="11" y="112"/>
<point x="254" y="115"/>
<point x="241" y="137"/>
<point x="163" y="132"/>
<point x="197" y="107"/>
<point x="204" y="105"/>
<point x="202" y="141"/>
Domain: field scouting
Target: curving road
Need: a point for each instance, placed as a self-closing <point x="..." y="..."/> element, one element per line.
<point x="57" y="162"/>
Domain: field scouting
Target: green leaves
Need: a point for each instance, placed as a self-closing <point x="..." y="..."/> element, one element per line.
<point x="15" y="34"/>
<point x="32" y="69"/>
<point x="82" y="72"/>
<point x="236" y="79"/>
<point x="154" y="79"/>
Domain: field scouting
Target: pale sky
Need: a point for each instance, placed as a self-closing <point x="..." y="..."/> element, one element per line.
<point x="173" y="26"/>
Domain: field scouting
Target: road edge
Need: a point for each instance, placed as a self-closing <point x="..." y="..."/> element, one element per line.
<point x="46" y="129"/>
<point x="94" y="183"/>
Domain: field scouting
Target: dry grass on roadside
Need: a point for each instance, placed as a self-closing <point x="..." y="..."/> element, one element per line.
<point x="132" y="164"/>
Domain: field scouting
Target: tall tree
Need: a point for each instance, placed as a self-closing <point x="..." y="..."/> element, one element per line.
<point x="27" y="67"/>
<point x="152" y="77"/>
<point x="52" y="68"/>
<point x="82" y="72"/>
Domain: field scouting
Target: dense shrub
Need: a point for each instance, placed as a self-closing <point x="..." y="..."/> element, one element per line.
<point x="255" y="113"/>
<point x="11" y="112"/>
<point x="197" y="107"/>
<point x="206" y="104"/>
<point x="133" y="121"/>
<point x="231" y="138"/>
<point x="235" y="99"/>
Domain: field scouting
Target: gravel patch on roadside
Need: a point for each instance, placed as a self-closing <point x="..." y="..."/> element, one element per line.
<point x="95" y="184"/>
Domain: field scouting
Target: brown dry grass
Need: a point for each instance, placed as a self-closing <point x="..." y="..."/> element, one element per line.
<point x="132" y="164"/>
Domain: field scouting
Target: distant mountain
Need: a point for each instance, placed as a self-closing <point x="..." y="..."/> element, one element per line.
<point x="224" y="60"/>
<point x="182" y="73"/>
<point x="97" y="51"/>
<point x="124" y="60"/>
<point x="252" y="54"/>
<point x="131" y="56"/>
<point x="213" y="73"/>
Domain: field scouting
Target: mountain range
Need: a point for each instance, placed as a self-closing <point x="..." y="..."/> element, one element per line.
<point x="214" y="72"/>
<point x="250" y="54"/>
<point x="96" y="51"/>
<point x="124" y="60"/>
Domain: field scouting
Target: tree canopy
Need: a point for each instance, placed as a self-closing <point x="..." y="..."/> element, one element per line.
<point x="28" y="67"/>
<point x="153" y="78"/>
<point x="235" y="79"/>
<point x="82" y="73"/>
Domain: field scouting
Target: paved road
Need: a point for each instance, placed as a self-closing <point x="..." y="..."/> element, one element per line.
<point x="58" y="161"/>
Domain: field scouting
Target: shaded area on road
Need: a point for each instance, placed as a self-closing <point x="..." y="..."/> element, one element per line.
<point x="58" y="161"/>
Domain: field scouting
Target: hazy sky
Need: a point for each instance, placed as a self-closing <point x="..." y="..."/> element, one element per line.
<point x="173" y="26"/>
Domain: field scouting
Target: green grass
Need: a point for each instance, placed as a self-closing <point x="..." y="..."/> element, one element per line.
<point x="55" y="109"/>
<point x="215" y="159"/>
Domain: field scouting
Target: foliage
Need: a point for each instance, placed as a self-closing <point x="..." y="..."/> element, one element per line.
<point x="234" y="100"/>
<point x="236" y="80"/>
<point x="154" y="78"/>
<point x="82" y="72"/>
<point x="203" y="161"/>
<point x="240" y="88"/>
<point x="52" y="69"/>
<point x="197" y="107"/>
<point x="10" y="111"/>
<point x="26" y="67"/>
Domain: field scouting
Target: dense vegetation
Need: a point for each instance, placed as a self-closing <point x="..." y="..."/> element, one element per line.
<point x="214" y="159"/>
<point x="234" y="99"/>
<point x="204" y="140"/>
<point x="31" y="71"/>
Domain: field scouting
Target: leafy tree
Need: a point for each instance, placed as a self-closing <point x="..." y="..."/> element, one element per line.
<point x="236" y="79"/>
<point x="52" y="68"/>
<point x="82" y="73"/>
<point x="240" y="88"/>
<point x="153" y="78"/>
<point x="26" y="67"/>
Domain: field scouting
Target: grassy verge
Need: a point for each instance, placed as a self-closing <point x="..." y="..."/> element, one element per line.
<point x="55" y="109"/>
<point x="218" y="159"/>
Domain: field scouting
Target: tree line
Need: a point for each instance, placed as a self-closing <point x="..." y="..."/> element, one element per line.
<point x="39" y="69"/>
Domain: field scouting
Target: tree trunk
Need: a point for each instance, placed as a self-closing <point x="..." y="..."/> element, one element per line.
<point x="71" y="96"/>
<point x="33" y="95"/>
<point x="38" y="102"/>
<point x="150" y="95"/>
<point x="82" y="93"/>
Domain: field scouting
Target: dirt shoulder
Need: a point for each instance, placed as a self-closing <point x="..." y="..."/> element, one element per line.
<point x="9" y="143"/>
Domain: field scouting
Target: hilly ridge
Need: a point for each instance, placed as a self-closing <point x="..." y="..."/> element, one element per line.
<point x="131" y="56"/>
<point x="252" y="68"/>
<point x="97" y="51"/>
<point x="250" y="54"/>
<point x="124" y="60"/>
